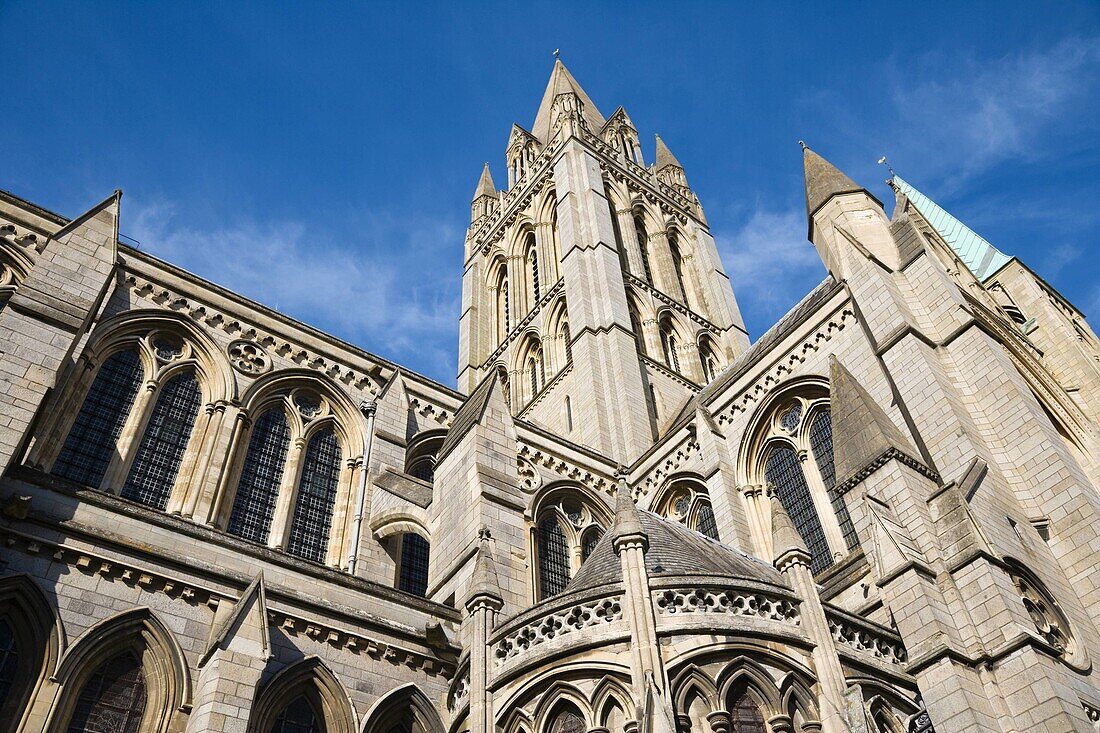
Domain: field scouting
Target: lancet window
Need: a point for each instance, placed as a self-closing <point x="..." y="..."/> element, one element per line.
<point x="113" y="698"/>
<point x="412" y="565"/>
<point x="137" y="438"/>
<point x="533" y="268"/>
<point x="298" y="717"/>
<point x="290" y="475"/>
<point x="567" y="720"/>
<point x="709" y="358"/>
<point x="678" y="266"/>
<point x="566" y="531"/>
<point x="745" y="715"/>
<point x="670" y="346"/>
<point x="643" y="247"/>
<point x="796" y="462"/>
<point x="688" y="502"/>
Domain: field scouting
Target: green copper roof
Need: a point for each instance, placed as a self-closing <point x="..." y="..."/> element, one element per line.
<point x="980" y="256"/>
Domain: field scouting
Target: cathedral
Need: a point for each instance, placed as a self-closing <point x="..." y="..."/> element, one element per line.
<point x="882" y="516"/>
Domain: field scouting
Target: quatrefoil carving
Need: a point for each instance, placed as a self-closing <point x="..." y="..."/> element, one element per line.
<point x="248" y="357"/>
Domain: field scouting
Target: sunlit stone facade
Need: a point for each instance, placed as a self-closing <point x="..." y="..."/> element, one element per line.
<point x="882" y="515"/>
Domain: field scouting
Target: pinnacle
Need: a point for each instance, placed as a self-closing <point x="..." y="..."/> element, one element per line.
<point x="562" y="82"/>
<point x="823" y="180"/>
<point x="626" y="521"/>
<point x="664" y="155"/>
<point x="485" y="185"/>
<point x="862" y="431"/>
<point x="784" y="536"/>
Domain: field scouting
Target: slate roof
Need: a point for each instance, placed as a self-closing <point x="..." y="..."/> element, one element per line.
<point x="981" y="257"/>
<point x="664" y="155"/>
<point x="823" y="181"/>
<point x="674" y="550"/>
<point x="467" y="415"/>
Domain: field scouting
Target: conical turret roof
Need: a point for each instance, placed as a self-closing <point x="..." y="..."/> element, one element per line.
<point x="485" y="185"/>
<point x="561" y="82"/>
<point x="784" y="536"/>
<point x="824" y="180"/>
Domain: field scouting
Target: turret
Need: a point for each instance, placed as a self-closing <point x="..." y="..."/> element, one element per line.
<point x="485" y="196"/>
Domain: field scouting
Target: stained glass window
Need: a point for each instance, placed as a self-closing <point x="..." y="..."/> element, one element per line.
<point x="591" y="539"/>
<point x="261" y="475"/>
<point x="91" y="443"/>
<point x="158" y="458"/>
<point x="783" y="472"/>
<point x="706" y="523"/>
<point x="553" y="557"/>
<point x="567" y="721"/>
<point x="9" y="660"/>
<point x="298" y="717"/>
<point x="745" y="716"/>
<point x="821" y="443"/>
<point x="414" y="564"/>
<point x="316" y="496"/>
<point x="113" y="698"/>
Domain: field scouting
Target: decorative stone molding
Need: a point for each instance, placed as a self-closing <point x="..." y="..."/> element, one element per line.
<point x="208" y="316"/>
<point x="726" y="601"/>
<point x="672" y="464"/>
<point x="672" y="303"/>
<point x="865" y="638"/>
<point x="427" y="410"/>
<point x="151" y="581"/>
<point x="520" y="329"/>
<point x="890" y="453"/>
<point x="568" y="620"/>
<point x="784" y="367"/>
<point x="248" y="357"/>
<point x="566" y="469"/>
<point x="459" y="690"/>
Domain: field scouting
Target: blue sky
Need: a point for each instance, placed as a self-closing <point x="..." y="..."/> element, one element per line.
<point x="320" y="157"/>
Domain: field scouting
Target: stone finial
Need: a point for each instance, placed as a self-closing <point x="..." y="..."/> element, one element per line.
<point x="824" y="180"/>
<point x="862" y="431"/>
<point x="484" y="585"/>
<point x="626" y="524"/>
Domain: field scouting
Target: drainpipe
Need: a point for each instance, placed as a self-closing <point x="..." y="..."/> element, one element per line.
<point x="368" y="409"/>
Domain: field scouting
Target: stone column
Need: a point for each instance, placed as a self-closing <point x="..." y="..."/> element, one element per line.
<point x="482" y="606"/>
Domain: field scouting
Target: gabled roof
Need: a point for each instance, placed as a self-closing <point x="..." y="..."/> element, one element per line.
<point x="468" y="415"/>
<point x="980" y="257"/>
<point x="561" y="82"/>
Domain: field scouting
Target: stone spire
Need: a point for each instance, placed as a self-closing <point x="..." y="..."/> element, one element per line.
<point x="664" y="155"/>
<point x="862" y="432"/>
<point x="485" y="185"/>
<point x="562" y="82"/>
<point x="824" y="180"/>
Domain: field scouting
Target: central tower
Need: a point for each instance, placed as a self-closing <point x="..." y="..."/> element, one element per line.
<point x="592" y="287"/>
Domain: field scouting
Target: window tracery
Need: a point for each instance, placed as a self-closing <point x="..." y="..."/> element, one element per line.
<point x="794" y="457"/>
<point x="566" y="532"/>
<point x="1045" y="613"/>
<point x="689" y="503"/>
<point x="112" y="699"/>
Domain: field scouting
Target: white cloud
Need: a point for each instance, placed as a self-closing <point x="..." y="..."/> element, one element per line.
<point x="977" y="113"/>
<point x="374" y="295"/>
<point x="771" y="265"/>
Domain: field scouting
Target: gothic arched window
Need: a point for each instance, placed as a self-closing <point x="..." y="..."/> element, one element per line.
<point x="10" y="662"/>
<point x="709" y="359"/>
<point x="688" y="502"/>
<point x="158" y="458"/>
<point x="636" y="327"/>
<point x="785" y="475"/>
<point x="261" y="477"/>
<point x="113" y="698"/>
<point x="678" y="266"/>
<point x="643" y="247"/>
<point x="566" y="532"/>
<point x="91" y="442"/>
<point x="309" y="529"/>
<point x="298" y="717"/>
<point x="797" y="461"/>
<point x="533" y="266"/>
<point x="745" y="715"/>
<point x="412" y="566"/>
<point x="671" y="348"/>
<point x="567" y="720"/>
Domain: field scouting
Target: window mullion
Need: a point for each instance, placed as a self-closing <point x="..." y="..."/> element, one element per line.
<point x="288" y="494"/>
<point x="130" y="438"/>
<point x="823" y="504"/>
